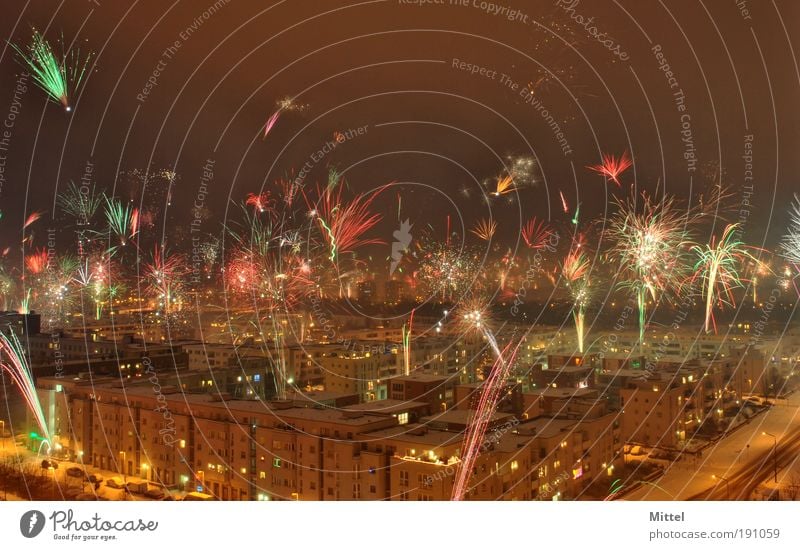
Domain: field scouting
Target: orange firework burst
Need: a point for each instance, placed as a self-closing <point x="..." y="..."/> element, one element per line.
<point x="37" y="261"/>
<point x="612" y="167"/>
<point x="504" y="185"/>
<point x="485" y="229"/>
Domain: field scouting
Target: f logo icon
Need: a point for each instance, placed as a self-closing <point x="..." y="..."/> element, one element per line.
<point x="31" y="524"/>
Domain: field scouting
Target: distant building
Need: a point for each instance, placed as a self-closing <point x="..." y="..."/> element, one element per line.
<point x="394" y="291"/>
<point x="367" y="292"/>
<point x="22" y="324"/>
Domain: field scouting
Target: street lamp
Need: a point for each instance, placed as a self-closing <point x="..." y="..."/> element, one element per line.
<point x="774" y="454"/>
<point x="727" y="487"/>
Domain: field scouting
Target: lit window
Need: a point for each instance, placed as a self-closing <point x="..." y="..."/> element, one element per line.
<point x="276" y="462"/>
<point x="402" y="418"/>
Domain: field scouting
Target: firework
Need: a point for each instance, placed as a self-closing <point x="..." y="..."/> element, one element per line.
<point x="446" y="270"/>
<point x="790" y="245"/>
<point x="344" y="223"/>
<point x="536" y="234"/>
<point x="164" y="279"/>
<point x="492" y="391"/>
<point x="122" y="220"/>
<point x="564" y="204"/>
<point x="288" y="103"/>
<point x="505" y="184"/>
<point x="612" y="167"/>
<point x="6" y="287"/>
<point x="261" y="202"/>
<point x="34" y="216"/>
<point x="407" y="344"/>
<point x="37" y="262"/>
<point x="650" y="241"/>
<point x="575" y="271"/>
<point x="271" y="122"/>
<point x="717" y="270"/>
<point x="14" y="362"/>
<point x="79" y="205"/>
<point x="485" y="229"/>
<point x="58" y="78"/>
<point x="523" y="169"/>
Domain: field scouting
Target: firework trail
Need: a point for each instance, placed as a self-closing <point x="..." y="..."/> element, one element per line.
<point x="485" y="229"/>
<point x="285" y="104"/>
<point x="13" y="361"/>
<point x="564" y="204"/>
<point x="650" y="239"/>
<point x="575" y="270"/>
<point x="492" y="391"/>
<point x="271" y="123"/>
<point x="717" y="270"/>
<point x="612" y="167"/>
<point x="407" y="344"/>
<point x="30" y="220"/>
<point x="56" y="77"/>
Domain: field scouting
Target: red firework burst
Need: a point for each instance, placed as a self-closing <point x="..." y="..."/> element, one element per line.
<point x="612" y="167"/>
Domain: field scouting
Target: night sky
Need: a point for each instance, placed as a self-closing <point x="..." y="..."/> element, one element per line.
<point x="437" y="130"/>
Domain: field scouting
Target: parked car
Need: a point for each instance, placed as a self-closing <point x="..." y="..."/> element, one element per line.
<point x="77" y="472"/>
<point x="137" y="487"/>
<point x="115" y="483"/>
<point x="47" y="464"/>
<point x="96" y="478"/>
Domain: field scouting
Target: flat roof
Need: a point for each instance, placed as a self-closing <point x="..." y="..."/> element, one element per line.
<point x="387" y="406"/>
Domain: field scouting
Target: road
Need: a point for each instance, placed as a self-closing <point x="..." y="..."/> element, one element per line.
<point x="744" y="458"/>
